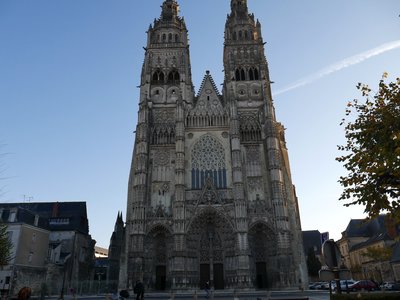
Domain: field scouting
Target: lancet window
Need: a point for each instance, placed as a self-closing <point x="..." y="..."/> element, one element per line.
<point x="208" y="161"/>
<point x="173" y="76"/>
<point x="253" y="74"/>
<point x="240" y="75"/>
<point x="158" y="77"/>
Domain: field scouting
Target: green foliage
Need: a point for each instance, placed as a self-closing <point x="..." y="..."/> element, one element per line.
<point x="372" y="151"/>
<point x="5" y="246"/>
<point x="313" y="264"/>
<point x="379" y="254"/>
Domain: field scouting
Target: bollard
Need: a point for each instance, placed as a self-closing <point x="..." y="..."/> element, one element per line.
<point x="195" y="295"/>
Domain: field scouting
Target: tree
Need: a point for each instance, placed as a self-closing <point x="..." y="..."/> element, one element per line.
<point x="372" y="155"/>
<point x="379" y="254"/>
<point x="5" y="246"/>
<point x="313" y="264"/>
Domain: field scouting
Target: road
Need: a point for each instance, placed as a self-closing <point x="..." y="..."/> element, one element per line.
<point x="200" y="295"/>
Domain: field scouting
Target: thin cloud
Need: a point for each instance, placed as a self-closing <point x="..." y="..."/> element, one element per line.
<point x="347" y="62"/>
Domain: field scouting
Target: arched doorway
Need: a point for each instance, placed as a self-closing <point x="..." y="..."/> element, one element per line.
<point x="263" y="246"/>
<point x="211" y="249"/>
<point x="158" y="244"/>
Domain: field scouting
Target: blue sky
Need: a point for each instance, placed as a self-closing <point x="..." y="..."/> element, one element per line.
<point x="69" y="72"/>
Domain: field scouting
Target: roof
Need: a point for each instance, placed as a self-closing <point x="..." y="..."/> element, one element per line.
<point x="376" y="238"/>
<point x="365" y="227"/>
<point x="59" y="216"/>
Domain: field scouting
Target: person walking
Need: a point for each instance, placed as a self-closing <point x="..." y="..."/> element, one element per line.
<point x="139" y="290"/>
<point x="207" y="289"/>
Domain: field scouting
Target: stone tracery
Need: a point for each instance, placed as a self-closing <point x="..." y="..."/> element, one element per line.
<point x="208" y="161"/>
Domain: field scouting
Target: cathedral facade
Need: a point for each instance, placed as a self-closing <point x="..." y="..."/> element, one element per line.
<point x="210" y="196"/>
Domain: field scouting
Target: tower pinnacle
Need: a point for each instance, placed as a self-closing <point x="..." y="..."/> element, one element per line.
<point x="239" y="7"/>
<point x="170" y="10"/>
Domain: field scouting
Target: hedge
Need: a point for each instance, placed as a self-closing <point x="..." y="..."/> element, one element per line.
<point x="367" y="296"/>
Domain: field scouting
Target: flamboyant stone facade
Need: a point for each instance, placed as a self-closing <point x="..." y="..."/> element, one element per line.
<point x="210" y="195"/>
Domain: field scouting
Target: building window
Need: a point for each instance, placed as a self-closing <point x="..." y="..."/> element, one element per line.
<point x="12" y="216"/>
<point x="173" y="76"/>
<point x="208" y="161"/>
<point x="158" y="77"/>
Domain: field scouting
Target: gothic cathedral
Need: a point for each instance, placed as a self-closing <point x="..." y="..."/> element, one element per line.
<point x="210" y="196"/>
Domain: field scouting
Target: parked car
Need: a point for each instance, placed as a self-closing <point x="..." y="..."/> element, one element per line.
<point x="366" y="285"/>
<point x="343" y="285"/>
<point x="387" y="286"/>
<point x="315" y="285"/>
<point x="325" y="285"/>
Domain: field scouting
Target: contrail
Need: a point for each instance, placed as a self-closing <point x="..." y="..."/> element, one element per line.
<point x="347" y="62"/>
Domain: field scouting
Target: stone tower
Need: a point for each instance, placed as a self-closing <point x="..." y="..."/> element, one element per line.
<point x="210" y="196"/>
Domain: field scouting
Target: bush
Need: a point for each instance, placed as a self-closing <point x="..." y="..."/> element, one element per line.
<point x="367" y="296"/>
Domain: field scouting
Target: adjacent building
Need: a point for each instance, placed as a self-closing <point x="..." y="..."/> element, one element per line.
<point x="369" y="248"/>
<point x="210" y="195"/>
<point x="52" y="247"/>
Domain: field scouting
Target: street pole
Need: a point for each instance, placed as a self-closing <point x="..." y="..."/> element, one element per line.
<point x="62" y="286"/>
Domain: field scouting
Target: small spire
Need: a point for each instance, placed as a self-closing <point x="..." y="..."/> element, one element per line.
<point x="170" y="10"/>
<point x="239" y="7"/>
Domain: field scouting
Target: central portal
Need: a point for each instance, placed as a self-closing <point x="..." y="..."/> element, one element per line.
<point x="211" y="243"/>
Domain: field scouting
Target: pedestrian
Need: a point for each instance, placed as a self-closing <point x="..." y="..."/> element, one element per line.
<point x="139" y="290"/>
<point x="207" y="289"/>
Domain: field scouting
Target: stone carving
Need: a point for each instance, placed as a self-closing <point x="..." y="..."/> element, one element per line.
<point x="208" y="154"/>
<point x="161" y="158"/>
<point x="254" y="184"/>
<point x="163" y="116"/>
<point x="209" y="194"/>
<point x="253" y="154"/>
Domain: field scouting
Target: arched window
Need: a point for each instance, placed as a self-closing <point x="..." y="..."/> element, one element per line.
<point x="256" y="77"/>
<point x="176" y="38"/>
<point x="208" y="161"/>
<point x="237" y="75"/>
<point x="251" y="74"/>
<point x="164" y="37"/>
<point x="170" y="37"/>
<point x="240" y="35"/>
<point x="158" y="77"/>
<point x="173" y="77"/>
<point x="234" y="36"/>
<point x="242" y="75"/>
<point x="246" y="35"/>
